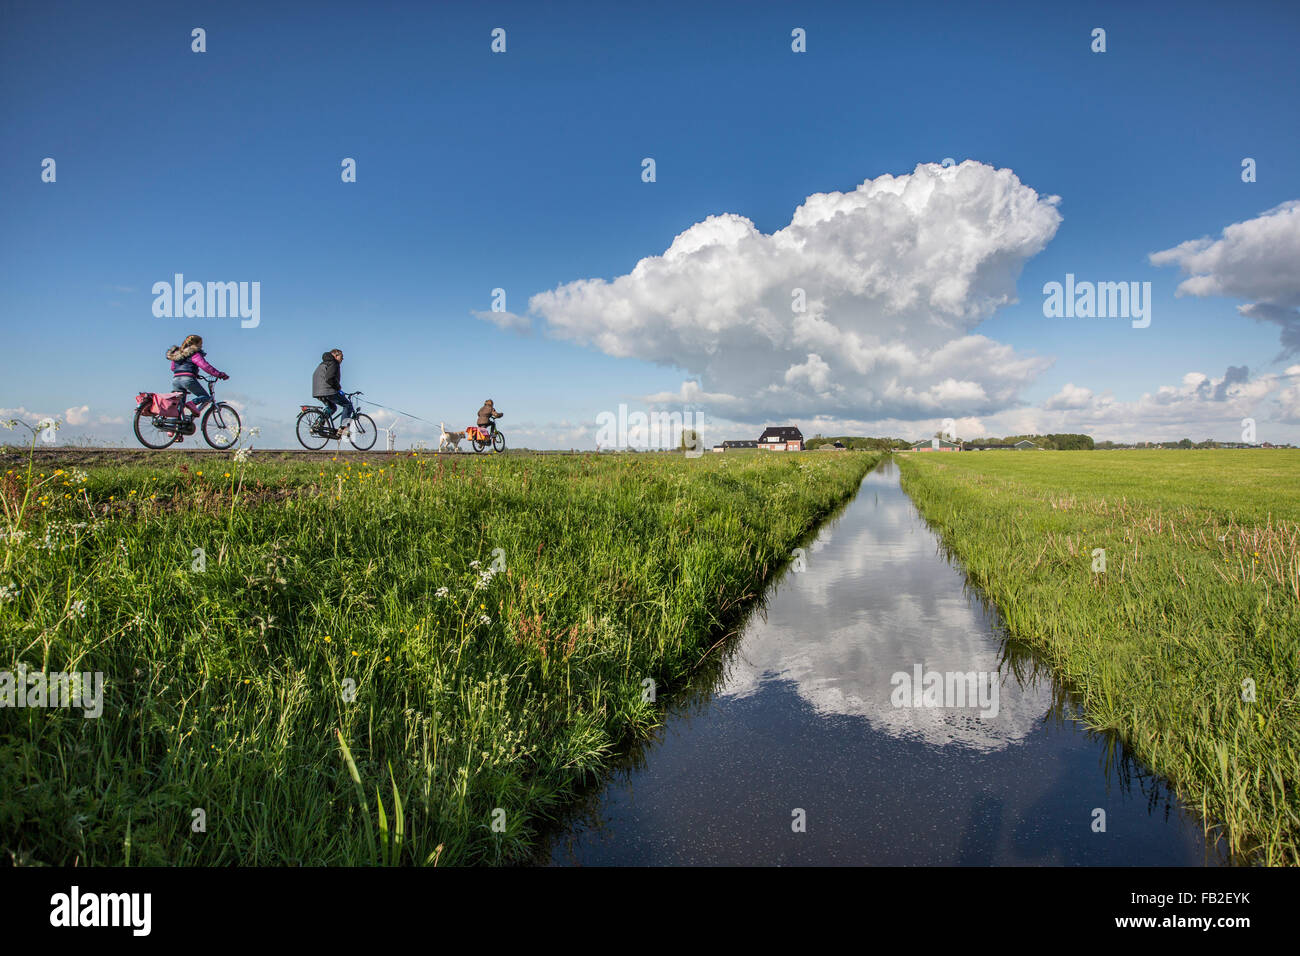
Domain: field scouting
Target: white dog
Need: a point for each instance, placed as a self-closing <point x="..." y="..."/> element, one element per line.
<point x="449" y="441"/>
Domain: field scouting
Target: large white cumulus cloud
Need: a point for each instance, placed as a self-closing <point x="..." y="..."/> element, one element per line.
<point x="896" y="274"/>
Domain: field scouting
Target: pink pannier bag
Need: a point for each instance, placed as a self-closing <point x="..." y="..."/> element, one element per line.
<point x="166" y="404"/>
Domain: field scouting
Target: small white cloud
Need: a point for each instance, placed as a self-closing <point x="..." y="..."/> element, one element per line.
<point x="77" y="416"/>
<point x="504" y="320"/>
<point x="1071" y="396"/>
<point x="1258" y="259"/>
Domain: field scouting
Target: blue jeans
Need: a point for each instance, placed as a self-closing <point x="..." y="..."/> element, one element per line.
<point x="194" y="387"/>
<point x="335" y="403"/>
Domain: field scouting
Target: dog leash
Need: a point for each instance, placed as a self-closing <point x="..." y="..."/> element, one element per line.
<point x="368" y="401"/>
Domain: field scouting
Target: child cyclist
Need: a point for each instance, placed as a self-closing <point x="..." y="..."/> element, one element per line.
<point x="487" y="416"/>
<point x="188" y="359"/>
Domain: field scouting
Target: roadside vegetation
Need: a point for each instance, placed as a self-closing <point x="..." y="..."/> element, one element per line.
<point x="1187" y="644"/>
<point x="353" y="661"/>
<point x="858" y="444"/>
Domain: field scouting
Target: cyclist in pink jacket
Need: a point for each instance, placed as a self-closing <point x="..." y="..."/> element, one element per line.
<point x="188" y="360"/>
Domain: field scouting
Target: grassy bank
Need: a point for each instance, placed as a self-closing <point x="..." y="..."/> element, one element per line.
<point x="1199" y="603"/>
<point x="414" y="661"/>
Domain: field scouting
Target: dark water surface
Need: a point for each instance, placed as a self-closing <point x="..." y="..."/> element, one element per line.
<point x="802" y="716"/>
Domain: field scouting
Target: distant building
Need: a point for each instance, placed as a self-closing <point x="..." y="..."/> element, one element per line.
<point x="936" y="444"/>
<point x="1025" y="445"/>
<point x="719" y="448"/>
<point x="738" y="445"/>
<point x="781" y="438"/>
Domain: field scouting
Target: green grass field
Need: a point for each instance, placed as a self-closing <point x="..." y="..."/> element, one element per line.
<point x="415" y="661"/>
<point x="1196" y="612"/>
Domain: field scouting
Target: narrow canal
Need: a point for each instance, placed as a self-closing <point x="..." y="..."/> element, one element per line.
<point x="809" y="744"/>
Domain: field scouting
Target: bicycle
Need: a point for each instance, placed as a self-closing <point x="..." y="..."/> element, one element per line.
<point x="218" y="421"/>
<point x="317" y="422"/>
<point x="481" y="437"/>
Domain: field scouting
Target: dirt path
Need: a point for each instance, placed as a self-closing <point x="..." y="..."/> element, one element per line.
<point x="70" y="456"/>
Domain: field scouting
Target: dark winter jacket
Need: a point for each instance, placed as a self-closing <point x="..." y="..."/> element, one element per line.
<point x="486" y="414"/>
<point x="325" y="380"/>
<point x="188" y="362"/>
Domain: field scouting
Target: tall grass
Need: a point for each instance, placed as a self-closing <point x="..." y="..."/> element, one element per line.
<point x="1197" y="610"/>
<point x="403" y="662"/>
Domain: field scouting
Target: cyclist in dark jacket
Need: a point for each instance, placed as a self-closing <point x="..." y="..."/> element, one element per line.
<point x="326" y="386"/>
<point x="487" y="416"/>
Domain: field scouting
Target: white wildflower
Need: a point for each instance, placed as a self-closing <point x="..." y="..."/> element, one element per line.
<point x="484" y="619"/>
<point x="440" y="593"/>
<point x="79" y="608"/>
<point x="241" y="455"/>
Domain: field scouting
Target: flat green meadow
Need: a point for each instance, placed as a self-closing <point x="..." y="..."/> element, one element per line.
<point x="1164" y="587"/>
<point x="408" y="660"/>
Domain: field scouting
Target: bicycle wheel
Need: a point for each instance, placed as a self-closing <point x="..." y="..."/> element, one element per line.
<point x="363" y="432"/>
<point x="157" y="438"/>
<point x="498" y="442"/>
<point x="313" y="429"/>
<point x="478" y="444"/>
<point x="221" y="426"/>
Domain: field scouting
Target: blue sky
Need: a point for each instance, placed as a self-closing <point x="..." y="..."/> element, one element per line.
<point x="522" y="171"/>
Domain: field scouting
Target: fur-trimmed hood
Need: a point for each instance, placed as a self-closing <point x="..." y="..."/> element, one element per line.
<point x="178" y="354"/>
